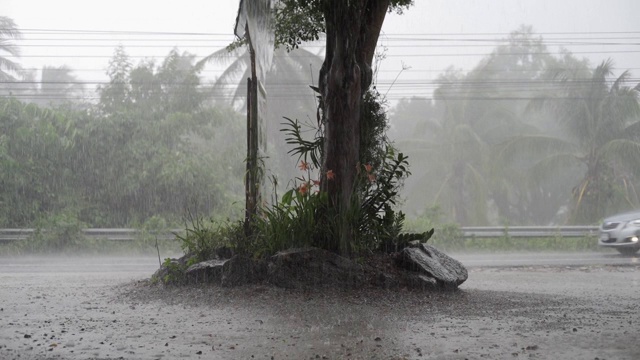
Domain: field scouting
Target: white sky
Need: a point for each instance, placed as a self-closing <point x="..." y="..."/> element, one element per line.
<point x="428" y="18"/>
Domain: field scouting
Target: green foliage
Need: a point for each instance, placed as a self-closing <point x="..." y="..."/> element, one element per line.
<point x="8" y="31"/>
<point x="174" y="272"/>
<point x="449" y="237"/>
<point x="291" y="223"/>
<point x="34" y="162"/>
<point x="446" y="236"/>
<point x="307" y="150"/>
<point x="203" y="239"/>
<point x="298" y="21"/>
<point x="150" y="148"/>
<point x="374" y="143"/>
<point x="376" y="221"/>
<point x="489" y="158"/>
<point x="601" y="147"/>
<point x="59" y="233"/>
<point x="161" y="150"/>
<point x="151" y="233"/>
<point x="394" y="239"/>
<point x="301" y="218"/>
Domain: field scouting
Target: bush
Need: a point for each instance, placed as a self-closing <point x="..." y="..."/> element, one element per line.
<point x="58" y="233"/>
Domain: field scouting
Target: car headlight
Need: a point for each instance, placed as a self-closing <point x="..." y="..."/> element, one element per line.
<point x="635" y="223"/>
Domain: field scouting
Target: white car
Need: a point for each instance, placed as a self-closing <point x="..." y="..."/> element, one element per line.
<point x="621" y="232"/>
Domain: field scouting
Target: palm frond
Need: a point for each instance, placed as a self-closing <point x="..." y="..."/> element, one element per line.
<point x="6" y="68"/>
<point x="9" y="48"/>
<point x="622" y="151"/>
<point x="602" y="71"/>
<point x="9" y="29"/>
<point x="549" y="167"/>
<point x="632" y="131"/>
<point x="223" y="56"/>
<point x="532" y="147"/>
<point x="619" y="81"/>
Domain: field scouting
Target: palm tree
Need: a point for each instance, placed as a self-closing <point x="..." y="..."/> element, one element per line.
<point x="8" y="32"/>
<point x="288" y="94"/>
<point x="602" y="117"/>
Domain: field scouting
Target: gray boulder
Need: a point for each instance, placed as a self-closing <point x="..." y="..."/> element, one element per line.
<point x="433" y="267"/>
<point x="238" y="270"/>
<point x="241" y="270"/>
<point x="296" y="268"/>
<point x="209" y="271"/>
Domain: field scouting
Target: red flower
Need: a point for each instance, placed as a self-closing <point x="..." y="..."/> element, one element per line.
<point x="304" y="188"/>
<point x="304" y="166"/>
<point x="368" y="168"/>
<point x="330" y="175"/>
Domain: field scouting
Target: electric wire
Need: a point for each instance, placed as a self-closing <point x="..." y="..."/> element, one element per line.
<point x="620" y="42"/>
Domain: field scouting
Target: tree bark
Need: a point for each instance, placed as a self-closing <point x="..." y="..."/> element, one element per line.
<point x="352" y="29"/>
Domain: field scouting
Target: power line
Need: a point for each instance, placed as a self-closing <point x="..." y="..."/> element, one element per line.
<point x="417" y="97"/>
<point x="209" y="45"/>
<point x="75" y="31"/>
<point x="412" y="70"/>
<point x="310" y="56"/>
<point x="507" y="82"/>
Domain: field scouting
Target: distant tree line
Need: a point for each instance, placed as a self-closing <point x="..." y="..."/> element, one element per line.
<point x="153" y="146"/>
<point x="523" y="138"/>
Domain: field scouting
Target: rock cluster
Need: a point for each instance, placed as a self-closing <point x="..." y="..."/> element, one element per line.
<point x="416" y="266"/>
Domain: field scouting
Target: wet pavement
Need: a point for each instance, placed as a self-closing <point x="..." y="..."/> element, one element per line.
<point x="100" y="308"/>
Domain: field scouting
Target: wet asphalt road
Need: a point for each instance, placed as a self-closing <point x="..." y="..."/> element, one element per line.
<point x="533" y="305"/>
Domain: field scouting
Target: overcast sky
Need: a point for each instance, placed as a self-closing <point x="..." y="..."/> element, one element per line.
<point x="174" y="23"/>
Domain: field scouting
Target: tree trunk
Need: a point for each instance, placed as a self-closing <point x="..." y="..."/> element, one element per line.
<point x="352" y="29"/>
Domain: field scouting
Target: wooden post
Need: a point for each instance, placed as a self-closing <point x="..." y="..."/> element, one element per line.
<point x="253" y="174"/>
<point x="247" y="177"/>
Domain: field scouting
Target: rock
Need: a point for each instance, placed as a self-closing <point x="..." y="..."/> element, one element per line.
<point x="295" y="268"/>
<point x="240" y="270"/>
<point x="209" y="271"/>
<point x="435" y="268"/>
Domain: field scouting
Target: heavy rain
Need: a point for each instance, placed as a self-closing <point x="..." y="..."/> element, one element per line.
<point x="287" y="179"/>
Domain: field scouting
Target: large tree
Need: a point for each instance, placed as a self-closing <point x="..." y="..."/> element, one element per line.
<point x="351" y="29"/>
